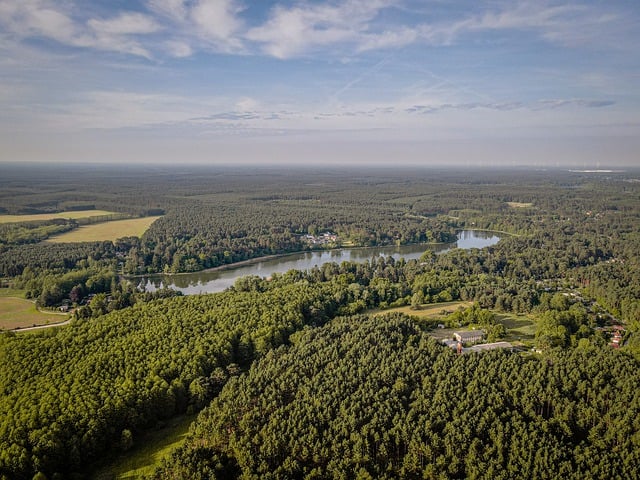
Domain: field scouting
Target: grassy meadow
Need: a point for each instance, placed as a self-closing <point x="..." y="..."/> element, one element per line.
<point x="51" y="216"/>
<point x="147" y="452"/>
<point x="21" y="313"/>
<point x="428" y="311"/>
<point x="520" y="328"/>
<point x="519" y="205"/>
<point x="97" y="232"/>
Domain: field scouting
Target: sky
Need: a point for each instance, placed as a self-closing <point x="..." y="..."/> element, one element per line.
<point x="369" y="82"/>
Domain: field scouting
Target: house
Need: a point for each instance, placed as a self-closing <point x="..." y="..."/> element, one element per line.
<point x="450" y="343"/>
<point x="469" y="336"/>
<point x="616" y="339"/>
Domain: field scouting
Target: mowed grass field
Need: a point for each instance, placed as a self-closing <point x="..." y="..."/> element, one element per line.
<point x="51" y="216"/>
<point x="427" y="311"/>
<point x="21" y="313"/>
<point x="98" y="232"/>
<point x="520" y="328"/>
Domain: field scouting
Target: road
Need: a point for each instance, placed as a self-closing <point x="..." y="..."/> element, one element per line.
<point x="38" y="327"/>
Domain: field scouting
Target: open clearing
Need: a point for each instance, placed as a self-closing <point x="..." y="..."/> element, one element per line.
<point x="519" y="205"/>
<point x="519" y="327"/>
<point x="147" y="452"/>
<point x="98" y="232"/>
<point x="21" y="313"/>
<point x="50" y="216"/>
<point x="427" y="311"/>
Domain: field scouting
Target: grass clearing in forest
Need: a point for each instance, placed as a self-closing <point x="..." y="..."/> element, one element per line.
<point x="519" y="327"/>
<point x="519" y="205"/>
<point x="21" y="313"/>
<point x="75" y="214"/>
<point x="98" y="232"/>
<point x="426" y="311"/>
<point x="147" y="451"/>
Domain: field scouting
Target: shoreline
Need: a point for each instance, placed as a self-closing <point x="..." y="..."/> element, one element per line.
<point x="251" y="261"/>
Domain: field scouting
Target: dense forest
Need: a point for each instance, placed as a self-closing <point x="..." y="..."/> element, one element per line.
<point x="378" y="398"/>
<point x="303" y="381"/>
<point x="69" y="394"/>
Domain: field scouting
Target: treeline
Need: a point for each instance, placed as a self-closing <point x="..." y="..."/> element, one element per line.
<point x="19" y="233"/>
<point x="204" y="235"/>
<point x="377" y="398"/>
<point x="215" y="217"/>
<point x="69" y="394"/>
<point x="33" y="232"/>
<point x="55" y="258"/>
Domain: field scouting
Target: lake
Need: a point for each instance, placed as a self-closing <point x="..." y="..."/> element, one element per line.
<point x="218" y="280"/>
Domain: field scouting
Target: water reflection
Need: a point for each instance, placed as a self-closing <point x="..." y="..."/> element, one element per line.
<point x="216" y="281"/>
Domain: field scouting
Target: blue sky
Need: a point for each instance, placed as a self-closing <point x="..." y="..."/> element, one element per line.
<point x="380" y="82"/>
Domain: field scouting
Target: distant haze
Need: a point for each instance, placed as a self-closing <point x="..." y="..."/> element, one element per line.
<point x="456" y="83"/>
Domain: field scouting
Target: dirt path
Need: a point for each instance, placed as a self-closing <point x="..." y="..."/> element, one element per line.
<point x="38" y="327"/>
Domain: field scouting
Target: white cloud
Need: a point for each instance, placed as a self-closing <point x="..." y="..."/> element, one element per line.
<point x="388" y="39"/>
<point x="125" y="23"/>
<point x="210" y="25"/>
<point x="43" y="18"/>
<point x="36" y="18"/>
<point x="178" y="49"/>
<point x="568" y="24"/>
<point x="298" y="29"/>
<point x="174" y="9"/>
<point x="247" y="104"/>
<point x="304" y="27"/>
<point x="217" y="19"/>
<point x="307" y="27"/>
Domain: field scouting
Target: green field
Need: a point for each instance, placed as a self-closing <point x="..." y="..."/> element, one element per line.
<point x="98" y="232"/>
<point x="427" y="311"/>
<point x="50" y="216"/>
<point x="12" y="292"/>
<point x="519" y="327"/>
<point x="147" y="452"/>
<point x="21" y="313"/>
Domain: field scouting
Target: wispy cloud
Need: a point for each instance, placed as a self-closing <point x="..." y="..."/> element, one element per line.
<point x="572" y="24"/>
<point x="218" y="22"/>
<point x="576" y="102"/>
<point x="46" y="19"/>
<point x="507" y="106"/>
<point x="300" y="28"/>
<point x="114" y="110"/>
<point x="124" y="24"/>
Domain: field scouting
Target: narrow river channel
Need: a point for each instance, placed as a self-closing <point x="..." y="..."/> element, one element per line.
<point x="218" y="280"/>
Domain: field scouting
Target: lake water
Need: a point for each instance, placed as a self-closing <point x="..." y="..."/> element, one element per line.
<point x="218" y="280"/>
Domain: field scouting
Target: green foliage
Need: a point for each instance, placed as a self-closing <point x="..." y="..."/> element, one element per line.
<point x="376" y="398"/>
<point x="362" y="398"/>
<point x="126" y="440"/>
<point x="33" y="232"/>
<point x="68" y="394"/>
